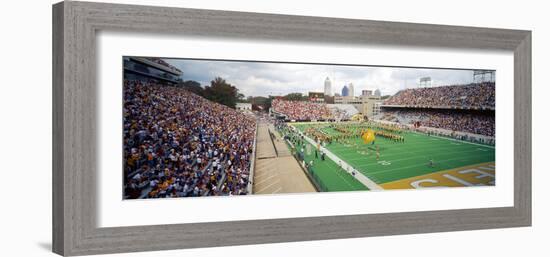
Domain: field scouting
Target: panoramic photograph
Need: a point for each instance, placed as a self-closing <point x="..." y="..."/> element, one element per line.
<point x="197" y="127"/>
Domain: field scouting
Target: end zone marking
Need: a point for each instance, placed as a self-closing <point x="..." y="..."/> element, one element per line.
<point x="482" y="174"/>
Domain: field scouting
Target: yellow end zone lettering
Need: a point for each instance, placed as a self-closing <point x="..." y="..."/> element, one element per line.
<point x="474" y="175"/>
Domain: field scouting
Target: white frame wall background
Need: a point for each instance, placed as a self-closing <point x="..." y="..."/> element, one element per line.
<point x="75" y="28"/>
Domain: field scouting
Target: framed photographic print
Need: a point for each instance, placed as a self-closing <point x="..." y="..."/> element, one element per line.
<point x="178" y="128"/>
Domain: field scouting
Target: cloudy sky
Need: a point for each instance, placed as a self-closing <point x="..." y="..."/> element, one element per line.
<point x="263" y="79"/>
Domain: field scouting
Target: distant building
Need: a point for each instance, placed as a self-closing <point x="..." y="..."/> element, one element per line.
<point x="329" y="99"/>
<point x="244" y="106"/>
<point x="367" y="105"/>
<point x="351" y="89"/>
<point x="345" y="91"/>
<point x="328" y="87"/>
<point x="377" y="92"/>
<point x="366" y="92"/>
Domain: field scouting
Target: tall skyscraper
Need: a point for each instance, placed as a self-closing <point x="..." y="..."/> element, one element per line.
<point x="377" y="92"/>
<point x="345" y="91"/>
<point x="351" y="89"/>
<point x="328" y="87"/>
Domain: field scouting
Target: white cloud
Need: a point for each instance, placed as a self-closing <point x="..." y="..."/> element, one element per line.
<point x="262" y="79"/>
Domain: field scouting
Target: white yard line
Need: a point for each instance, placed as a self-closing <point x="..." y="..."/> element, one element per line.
<point x="409" y="158"/>
<point x="358" y="175"/>
<point x="433" y="151"/>
<point x="415" y="165"/>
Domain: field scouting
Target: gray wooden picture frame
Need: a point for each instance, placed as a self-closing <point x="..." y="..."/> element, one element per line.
<point x="75" y="25"/>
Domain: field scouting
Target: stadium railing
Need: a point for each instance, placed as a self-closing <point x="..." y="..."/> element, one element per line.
<point x="271" y="136"/>
<point x="252" y="163"/>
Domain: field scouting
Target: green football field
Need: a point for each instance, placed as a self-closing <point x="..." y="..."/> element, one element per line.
<point x="398" y="160"/>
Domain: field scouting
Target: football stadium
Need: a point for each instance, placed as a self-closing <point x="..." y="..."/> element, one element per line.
<point x="183" y="138"/>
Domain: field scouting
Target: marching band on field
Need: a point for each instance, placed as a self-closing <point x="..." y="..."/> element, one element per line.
<point x="352" y="131"/>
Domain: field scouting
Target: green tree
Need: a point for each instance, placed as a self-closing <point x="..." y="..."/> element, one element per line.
<point x="242" y="99"/>
<point x="193" y="86"/>
<point x="222" y="92"/>
<point x="295" y="97"/>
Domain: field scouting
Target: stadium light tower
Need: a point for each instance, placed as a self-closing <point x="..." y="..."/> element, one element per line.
<point x="425" y="82"/>
<point x="481" y="76"/>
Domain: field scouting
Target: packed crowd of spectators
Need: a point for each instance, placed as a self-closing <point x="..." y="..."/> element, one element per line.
<point x="302" y="110"/>
<point x="178" y="144"/>
<point x="470" y="122"/>
<point x="471" y="96"/>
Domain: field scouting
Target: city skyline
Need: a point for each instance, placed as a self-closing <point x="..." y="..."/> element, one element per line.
<point x="277" y="79"/>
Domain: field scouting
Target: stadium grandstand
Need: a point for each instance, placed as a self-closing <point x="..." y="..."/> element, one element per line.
<point x="313" y="111"/>
<point x="457" y="108"/>
<point x="179" y="144"/>
<point x="474" y="122"/>
<point x="301" y="110"/>
<point x="475" y="96"/>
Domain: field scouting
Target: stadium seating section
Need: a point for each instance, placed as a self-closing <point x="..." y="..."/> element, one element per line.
<point x="178" y="144"/>
<point x="471" y="122"/>
<point x="465" y="108"/>
<point x="471" y="96"/>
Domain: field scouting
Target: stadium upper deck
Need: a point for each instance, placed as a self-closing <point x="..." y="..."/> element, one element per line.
<point x="464" y="108"/>
<point x="475" y="96"/>
<point x="151" y="69"/>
